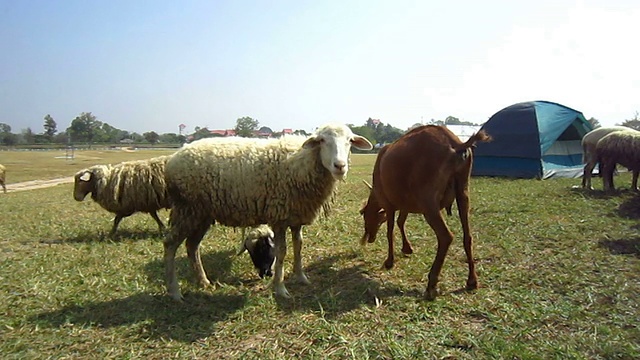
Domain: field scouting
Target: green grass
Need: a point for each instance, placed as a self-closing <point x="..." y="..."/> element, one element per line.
<point x="558" y="270"/>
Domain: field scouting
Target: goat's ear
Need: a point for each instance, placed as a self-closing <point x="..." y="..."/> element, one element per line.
<point x="86" y="176"/>
<point x="241" y="250"/>
<point x="312" y="142"/>
<point x="360" y="142"/>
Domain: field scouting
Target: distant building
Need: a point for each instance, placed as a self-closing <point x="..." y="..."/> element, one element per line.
<point x="463" y="132"/>
<point x="229" y="132"/>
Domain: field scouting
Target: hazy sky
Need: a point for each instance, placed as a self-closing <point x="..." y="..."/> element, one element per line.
<point x="152" y="65"/>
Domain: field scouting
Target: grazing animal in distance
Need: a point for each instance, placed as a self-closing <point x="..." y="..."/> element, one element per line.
<point x="3" y="178"/>
<point x="258" y="242"/>
<point x="242" y="182"/>
<point x="589" y="158"/>
<point x="620" y="147"/>
<point x="126" y="188"/>
<point x="415" y="174"/>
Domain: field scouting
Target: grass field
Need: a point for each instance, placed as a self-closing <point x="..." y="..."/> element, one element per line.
<point x="559" y="271"/>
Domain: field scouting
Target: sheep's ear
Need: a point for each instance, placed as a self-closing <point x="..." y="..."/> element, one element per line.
<point x="270" y="242"/>
<point x="86" y="176"/>
<point x="241" y="250"/>
<point x="360" y="142"/>
<point x="312" y="142"/>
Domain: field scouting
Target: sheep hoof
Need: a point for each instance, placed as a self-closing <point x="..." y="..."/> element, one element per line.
<point x="302" y="278"/>
<point x="176" y="296"/>
<point x="281" y="291"/>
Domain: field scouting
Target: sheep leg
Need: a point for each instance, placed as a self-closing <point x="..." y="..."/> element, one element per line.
<point x="193" y="252"/>
<point x="463" y="211"/>
<point x="607" y="175"/>
<point x="4" y="188"/>
<point x="406" y="245"/>
<point x="391" y="217"/>
<point x="586" y="176"/>
<point x="281" y="251"/>
<point x="634" y="181"/>
<point x="116" y="222"/>
<point x="174" y="238"/>
<point x="296" y="236"/>
<point x="445" y="237"/>
<point x="154" y="215"/>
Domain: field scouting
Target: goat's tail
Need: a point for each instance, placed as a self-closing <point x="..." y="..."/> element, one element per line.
<point x="480" y="136"/>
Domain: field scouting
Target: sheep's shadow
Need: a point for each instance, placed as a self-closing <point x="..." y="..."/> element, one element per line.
<point x="217" y="265"/>
<point x="630" y="208"/>
<point x="630" y="247"/>
<point x="158" y="316"/>
<point x="94" y="236"/>
<point x="337" y="289"/>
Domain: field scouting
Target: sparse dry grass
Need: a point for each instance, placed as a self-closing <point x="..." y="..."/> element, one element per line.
<point x="558" y="269"/>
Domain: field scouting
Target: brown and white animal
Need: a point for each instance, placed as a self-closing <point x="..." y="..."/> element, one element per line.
<point x="620" y="147"/>
<point x="416" y="174"/>
<point x="3" y="177"/>
<point x="126" y="188"/>
<point x="589" y="142"/>
<point x="240" y="182"/>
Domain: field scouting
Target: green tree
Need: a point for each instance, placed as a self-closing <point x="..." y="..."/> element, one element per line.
<point x="594" y="122"/>
<point x="246" y="126"/>
<point x="50" y="127"/>
<point x="28" y="136"/>
<point x="152" y="137"/>
<point x="633" y="123"/>
<point x="6" y="136"/>
<point x="84" y="127"/>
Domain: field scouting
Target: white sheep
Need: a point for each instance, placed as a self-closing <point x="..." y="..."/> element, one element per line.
<point x="247" y="182"/>
<point x="126" y="188"/>
<point x="3" y="177"/>
<point x="589" y="142"/>
<point x="619" y="147"/>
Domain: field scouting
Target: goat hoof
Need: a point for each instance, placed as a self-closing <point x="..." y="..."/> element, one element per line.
<point x="388" y="264"/>
<point x="431" y="294"/>
<point x="472" y="285"/>
<point x="407" y="251"/>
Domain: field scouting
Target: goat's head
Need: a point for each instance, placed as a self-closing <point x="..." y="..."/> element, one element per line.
<point x="262" y="250"/>
<point x="335" y="143"/>
<point x="84" y="183"/>
<point x="374" y="216"/>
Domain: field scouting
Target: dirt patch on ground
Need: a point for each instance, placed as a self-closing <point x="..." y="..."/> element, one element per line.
<point x="38" y="184"/>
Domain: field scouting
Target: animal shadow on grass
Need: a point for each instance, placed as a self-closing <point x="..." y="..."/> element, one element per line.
<point x="630" y="208"/>
<point x="629" y="247"/>
<point x="336" y="288"/>
<point x="91" y="236"/>
<point x="156" y="315"/>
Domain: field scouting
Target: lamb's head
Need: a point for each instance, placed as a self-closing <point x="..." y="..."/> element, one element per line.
<point x="259" y="244"/>
<point x="335" y="142"/>
<point x="84" y="183"/>
<point x="374" y="216"/>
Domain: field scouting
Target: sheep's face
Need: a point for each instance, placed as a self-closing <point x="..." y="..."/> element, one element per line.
<point x="374" y="217"/>
<point x="263" y="252"/>
<point x="335" y="143"/>
<point x="83" y="184"/>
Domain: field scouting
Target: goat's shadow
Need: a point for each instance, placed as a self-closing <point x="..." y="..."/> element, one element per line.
<point x="335" y="290"/>
<point x="630" y="247"/>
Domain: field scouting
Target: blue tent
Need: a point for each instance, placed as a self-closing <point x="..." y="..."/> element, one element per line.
<point x="535" y="139"/>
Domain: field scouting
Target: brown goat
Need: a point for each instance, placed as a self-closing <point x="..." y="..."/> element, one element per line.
<point x="421" y="173"/>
